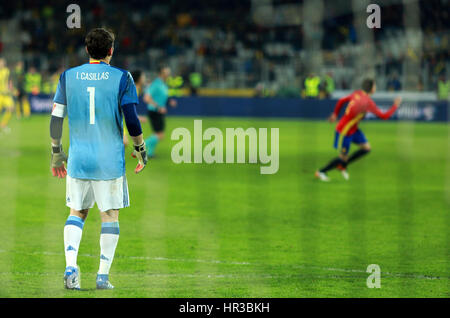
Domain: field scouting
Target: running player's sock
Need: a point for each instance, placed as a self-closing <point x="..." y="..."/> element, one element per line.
<point x="108" y="242"/>
<point x="72" y="237"/>
<point x="147" y="142"/>
<point x="151" y="143"/>
<point x="332" y="164"/>
<point x="357" y="154"/>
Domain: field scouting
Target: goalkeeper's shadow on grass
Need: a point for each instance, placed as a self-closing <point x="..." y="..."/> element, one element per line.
<point x="85" y="290"/>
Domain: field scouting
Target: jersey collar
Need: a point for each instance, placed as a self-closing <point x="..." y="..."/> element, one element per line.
<point x="97" y="62"/>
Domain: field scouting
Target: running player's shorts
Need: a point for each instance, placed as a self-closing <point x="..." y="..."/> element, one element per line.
<point x="157" y="121"/>
<point x="108" y="194"/>
<point x="6" y="101"/>
<point x="344" y="146"/>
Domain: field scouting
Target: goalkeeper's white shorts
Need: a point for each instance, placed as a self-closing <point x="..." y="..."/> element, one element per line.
<point x="108" y="194"/>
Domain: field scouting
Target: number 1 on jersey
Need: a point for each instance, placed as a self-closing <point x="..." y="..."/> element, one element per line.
<point x="91" y="91"/>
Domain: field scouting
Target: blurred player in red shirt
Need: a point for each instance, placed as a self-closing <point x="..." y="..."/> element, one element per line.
<point x="347" y="131"/>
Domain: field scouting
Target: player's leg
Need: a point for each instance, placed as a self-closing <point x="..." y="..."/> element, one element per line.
<point x="335" y="162"/>
<point x="110" y="195"/>
<point x="7" y="103"/>
<point x="18" y="107"/>
<point x="1" y="106"/>
<point x="26" y="106"/>
<point x="150" y="140"/>
<point x="363" y="150"/>
<point x="73" y="230"/>
<point x="364" y="147"/>
<point x="321" y="174"/>
<point x="158" y="124"/>
<point x="79" y="197"/>
<point x="109" y="237"/>
<point x="342" y="167"/>
<point x="160" y="135"/>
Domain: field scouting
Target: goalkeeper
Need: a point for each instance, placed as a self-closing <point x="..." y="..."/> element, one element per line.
<point x="95" y="103"/>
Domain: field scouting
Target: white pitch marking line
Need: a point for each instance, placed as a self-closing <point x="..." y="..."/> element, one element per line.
<point x="271" y="276"/>
<point x="183" y="260"/>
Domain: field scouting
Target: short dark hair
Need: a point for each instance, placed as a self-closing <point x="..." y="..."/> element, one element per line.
<point x="160" y="67"/>
<point x="367" y="85"/>
<point x="136" y="74"/>
<point x="98" y="42"/>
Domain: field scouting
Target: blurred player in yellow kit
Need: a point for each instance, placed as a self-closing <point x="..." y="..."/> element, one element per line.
<point x="6" y="101"/>
<point x="21" y="98"/>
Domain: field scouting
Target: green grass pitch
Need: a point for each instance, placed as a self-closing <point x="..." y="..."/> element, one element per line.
<point x="225" y="230"/>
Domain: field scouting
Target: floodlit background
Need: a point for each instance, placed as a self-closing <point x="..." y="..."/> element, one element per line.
<point x="240" y="44"/>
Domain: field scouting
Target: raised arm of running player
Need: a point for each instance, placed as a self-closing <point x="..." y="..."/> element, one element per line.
<point x="377" y="112"/>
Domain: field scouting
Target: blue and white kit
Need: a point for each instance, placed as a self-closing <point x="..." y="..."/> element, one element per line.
<point x="93" y="96"/>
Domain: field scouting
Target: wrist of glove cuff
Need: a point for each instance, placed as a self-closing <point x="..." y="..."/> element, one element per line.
<point x="56" y="149"/>
<point x="140" y="147"/>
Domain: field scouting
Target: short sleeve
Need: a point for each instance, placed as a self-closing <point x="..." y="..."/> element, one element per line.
<point x="60" y="95"/>
<point x="127" y="90"/>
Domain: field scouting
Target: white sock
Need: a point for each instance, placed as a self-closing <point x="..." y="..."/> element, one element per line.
<point x="72" y="237"/>
<point x="108" y="242"/>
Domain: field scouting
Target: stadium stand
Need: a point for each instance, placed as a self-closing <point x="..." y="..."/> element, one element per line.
<point x="228" y="45"/>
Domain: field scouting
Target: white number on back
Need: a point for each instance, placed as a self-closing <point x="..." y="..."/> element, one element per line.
<point x="91" y="91"/>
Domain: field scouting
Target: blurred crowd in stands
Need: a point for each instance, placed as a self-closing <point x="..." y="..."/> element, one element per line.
<point x="218" y="43"/>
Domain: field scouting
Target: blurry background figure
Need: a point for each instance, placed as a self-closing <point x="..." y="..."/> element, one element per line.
<point x="156" y="96"/>
<point x="50" y="82"/>
<point x="443" y="88"/>
<point x="195" y="81"/>
<point x="266" y="90"/>
<point x="393" y="83"/>
<point x="139" y="81"/>
<point x="21" y="102"/>
<point x="312" y="85"/>
<point x="274" y="42"/>
<point x="33" y="81"/>
<point x="175" y="84"/>
<point x="46" y="86"/>
<point x="6" y="100"/>
<point x="328" y="86"/>
<point x="259" y="90"/>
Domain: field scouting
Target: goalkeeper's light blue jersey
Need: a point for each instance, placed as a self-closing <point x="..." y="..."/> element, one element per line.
<point x="93" y="95"/>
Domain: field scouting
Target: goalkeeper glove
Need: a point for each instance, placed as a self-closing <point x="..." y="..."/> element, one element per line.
<point x="141" y="154"/>
<point x="58" y="159"/>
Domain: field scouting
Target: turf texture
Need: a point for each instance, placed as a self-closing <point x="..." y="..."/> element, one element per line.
<point x="225" y="230"/>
